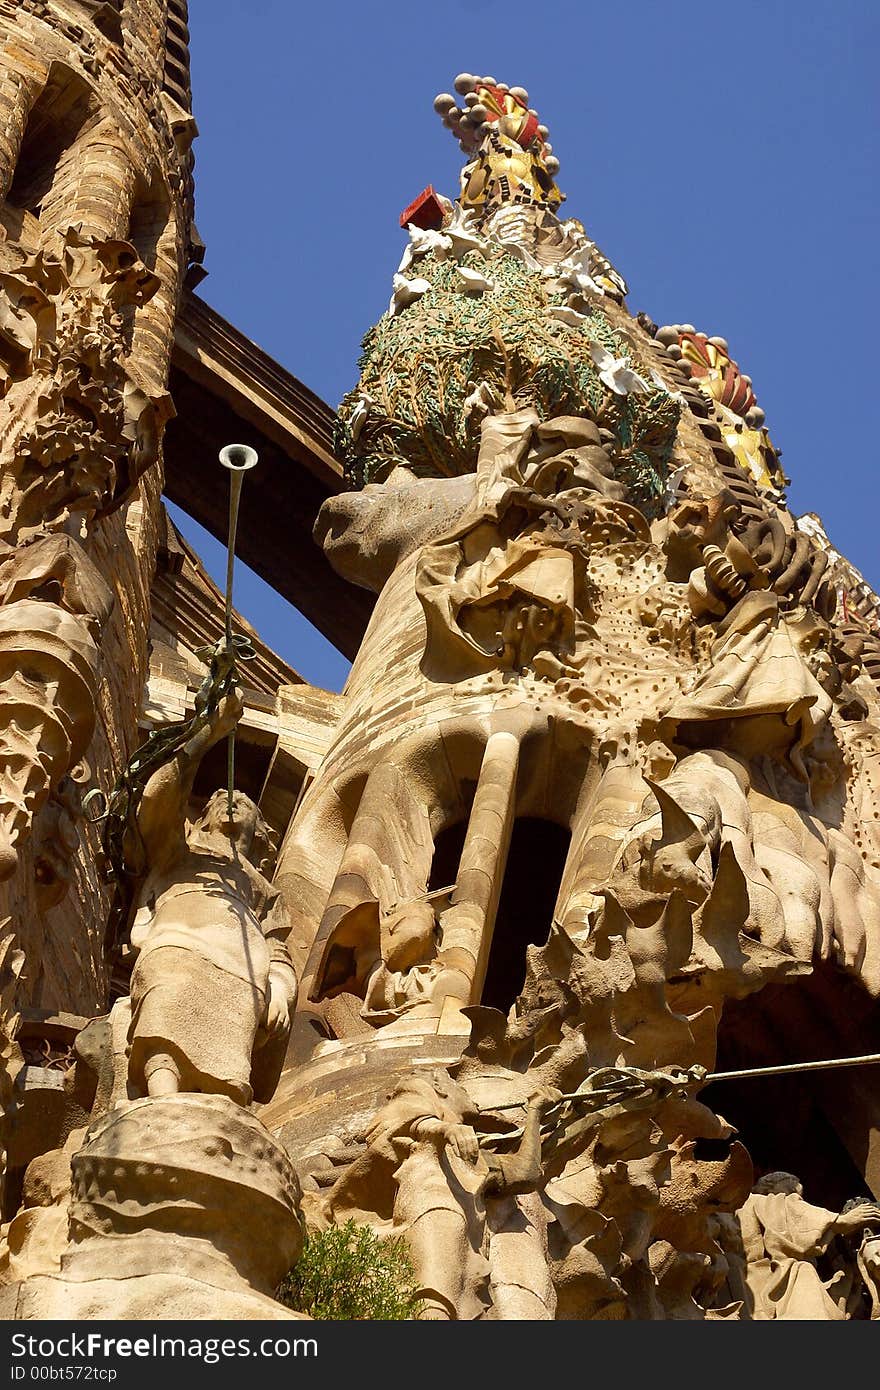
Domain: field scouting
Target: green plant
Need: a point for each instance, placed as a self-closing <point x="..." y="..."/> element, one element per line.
<point x="349" y="1273"/>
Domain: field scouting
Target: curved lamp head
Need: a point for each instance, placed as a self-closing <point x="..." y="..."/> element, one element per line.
<point x="238" y="458"/>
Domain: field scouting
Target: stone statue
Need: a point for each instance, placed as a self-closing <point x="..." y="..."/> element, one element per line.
<point x="213" y="986"/>
<point x="425" y="1171"/>
<point x="869" y="1268"/>
<point x="401" y="977"/>
<point x="782" y="1237"/>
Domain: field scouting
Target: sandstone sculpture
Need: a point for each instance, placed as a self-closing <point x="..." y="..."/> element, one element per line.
<point x="586" y="846"/>
<point x="209" y="936"/>
<point x="782" y="1237"/>
<point x="602" y="631"/>
<point x="188" y="1253"/>
<point x="96" y="186"/>
<point x="50" y="677"/>
<point x="211" y="993"/>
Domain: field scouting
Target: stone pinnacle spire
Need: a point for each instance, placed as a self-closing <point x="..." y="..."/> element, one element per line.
<point x="511" y="160"/>
<point x="499" y="305"/>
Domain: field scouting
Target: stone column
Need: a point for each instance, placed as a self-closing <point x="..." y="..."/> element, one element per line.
<point x="94" y="187"/>
<point x="17" y="95"/>
<point x="470" y="922"/>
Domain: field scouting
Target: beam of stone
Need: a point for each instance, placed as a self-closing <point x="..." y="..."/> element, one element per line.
<point x="226" y="389"/>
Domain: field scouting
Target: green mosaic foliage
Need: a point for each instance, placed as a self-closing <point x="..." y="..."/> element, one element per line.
<point x="419" y="368"/>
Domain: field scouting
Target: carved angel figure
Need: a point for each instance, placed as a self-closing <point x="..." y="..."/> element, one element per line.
<point x="213" y="985"/>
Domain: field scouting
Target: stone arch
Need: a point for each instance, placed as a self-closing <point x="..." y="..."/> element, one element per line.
<point x="526" y="906"/>
<point x="64" y="109"/>
<point x="152" y="230"/>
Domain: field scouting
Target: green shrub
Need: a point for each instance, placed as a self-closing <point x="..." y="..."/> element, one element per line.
<point x="347" y="1272"/>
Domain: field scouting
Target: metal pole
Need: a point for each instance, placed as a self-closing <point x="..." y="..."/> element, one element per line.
<point x="870" y="1060"/>
<point x="238" y="459"/>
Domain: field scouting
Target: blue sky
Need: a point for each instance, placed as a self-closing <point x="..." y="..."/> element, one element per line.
<point x="724" y="158"/>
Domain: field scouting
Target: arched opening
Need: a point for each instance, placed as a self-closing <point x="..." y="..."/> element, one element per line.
<point x="149" y="218"/>
<point x="448" y="845"/>
<point x="821" y="1126"/>
<point x="538" y="851"/>
<point x="252" y="758"/>
<point x="60" y="114"/>
<point x="149" y="230"/>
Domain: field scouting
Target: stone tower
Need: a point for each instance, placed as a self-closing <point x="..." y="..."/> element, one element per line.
<point x="599" y="805"/>
<point x="96" y="183"/>
<point x="592" y="824"/>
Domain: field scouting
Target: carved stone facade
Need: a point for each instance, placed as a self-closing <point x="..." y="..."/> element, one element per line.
<point x="96" y="188"/>
<point x="96" y="182"/>
<point x="488" y="951"/>
<point x="594" y="611"/>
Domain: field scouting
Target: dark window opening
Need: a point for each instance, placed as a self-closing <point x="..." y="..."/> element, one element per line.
<point x="816" y="1125"/>
<point x="58" y="117"/>
<point x="251" y="765"/>
<point x="538" y="851"/>
<point x="148" y="224"/>
<point x="149" y="220"/>
<point x="447" y="856"/>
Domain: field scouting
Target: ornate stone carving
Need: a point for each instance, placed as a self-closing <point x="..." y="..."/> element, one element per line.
<point x="506" y="587"/>
<point x="76" y="433"/>
<point x="48" y="678"/>
<point x="11" y="962"/>
<point x="209" y="937"/>
<point x="602" y="648"/>
<point x="402" y="972"/>
<point x="563" y="1215"/>
<point x="180" y="1207"/>
<point x="661" y="669"/>
<point x="442" y="356"/>
<point x="34" y="1241"/>
<point x="77" y="429"/>
<point x="707" y="361"/>
<point x="53" y="604"/>
<point x="730" y="544"/>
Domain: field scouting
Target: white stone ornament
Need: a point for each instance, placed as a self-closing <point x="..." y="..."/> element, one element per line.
<point x="617" y="374"/>
<point x="463" y="234"/>
<point x="358" y="417"/>
<point x="422" y="241"/>
<point x="522" y="253"/>
<point x="563" y="313"/>
<point x="406" y="292"/>
<point x="574" y="273"/>
<point x="581" y="282"/>
<point x="472" y="281"/>
<point x="671" y="489"/>
<point x="661" y="386"/>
